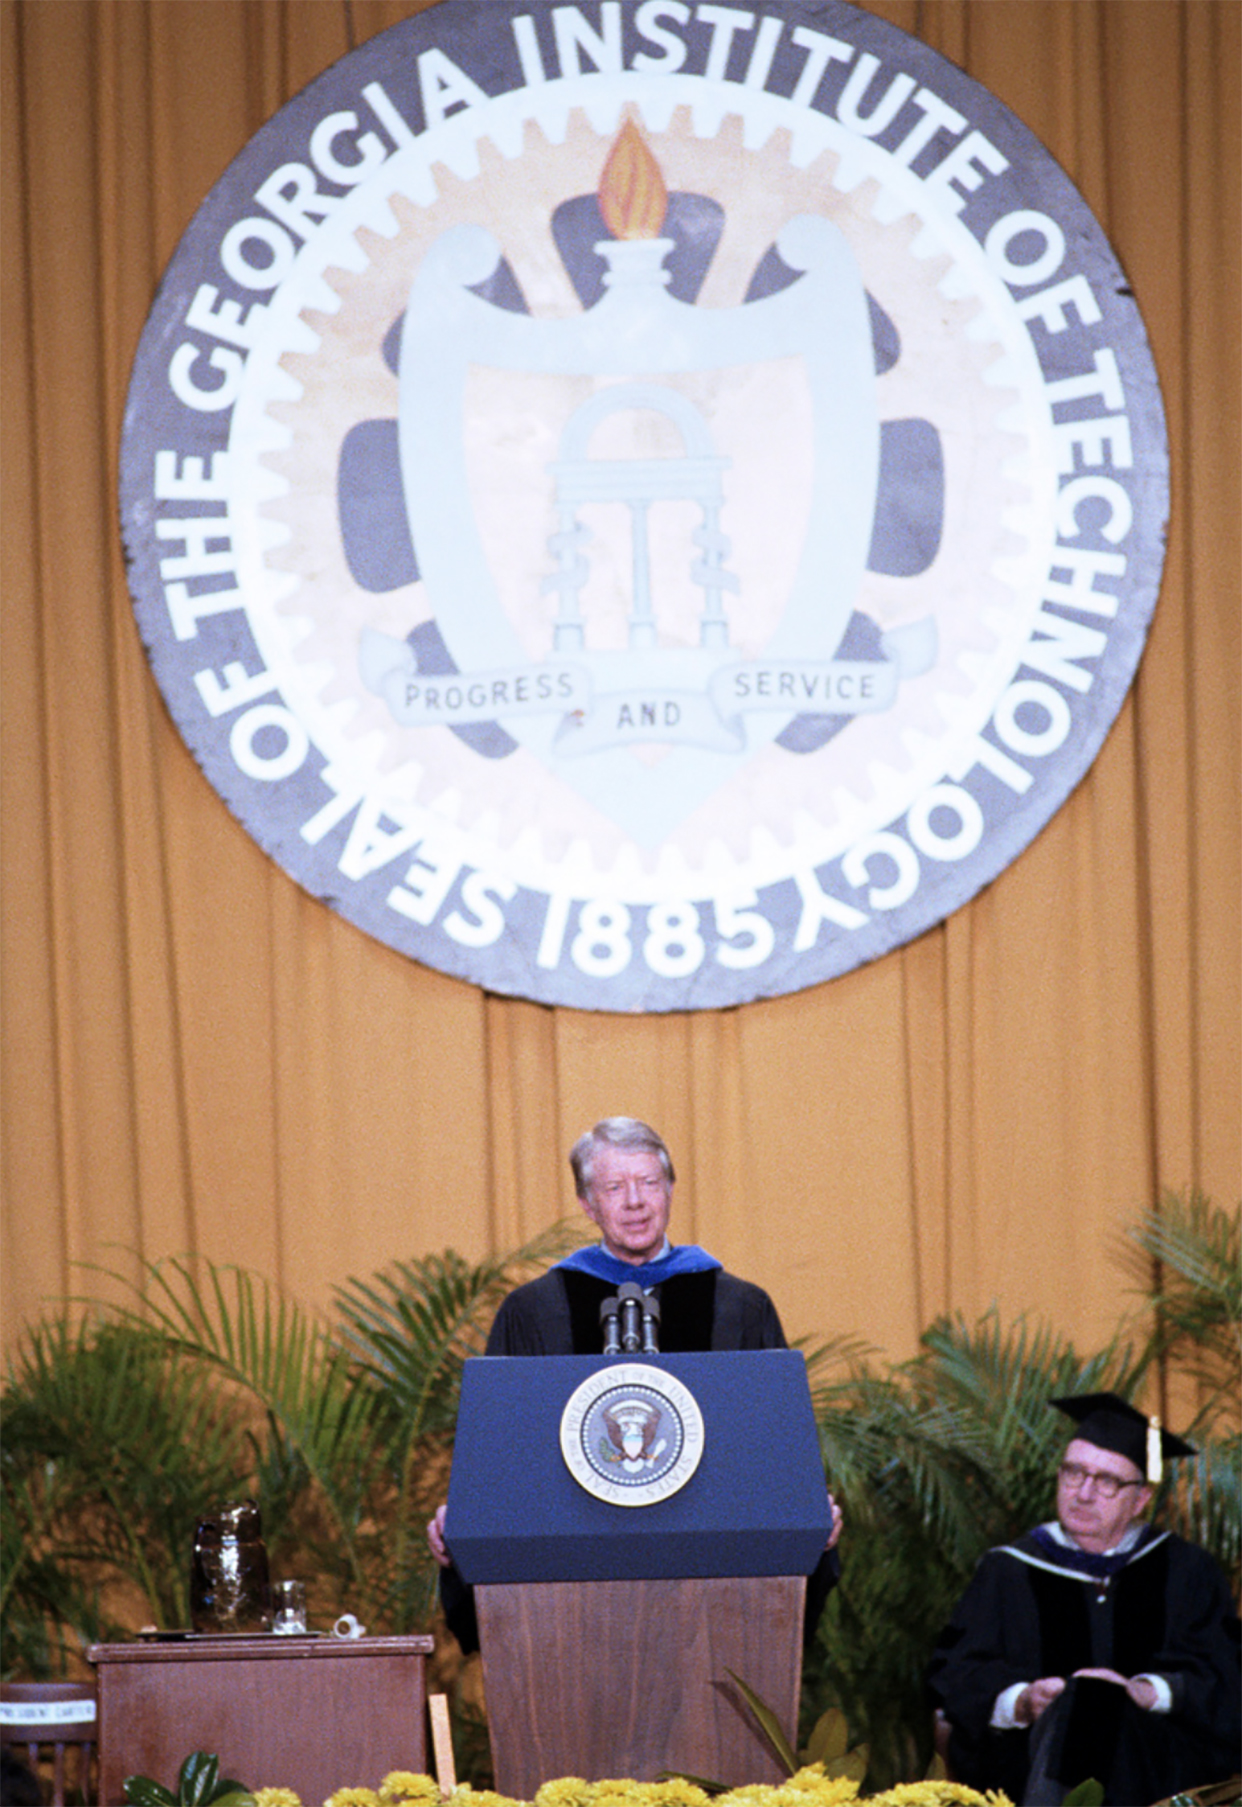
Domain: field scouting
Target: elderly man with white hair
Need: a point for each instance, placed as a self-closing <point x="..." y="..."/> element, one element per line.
<point x="1095" y="1646"/>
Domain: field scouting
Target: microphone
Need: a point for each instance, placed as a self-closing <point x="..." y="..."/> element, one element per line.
<point x="651" y="1318"/>
<point x="632" y="1299"/>
<point x="629" y="1321"/>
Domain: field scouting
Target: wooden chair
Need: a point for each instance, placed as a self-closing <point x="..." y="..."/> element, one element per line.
<point x="36" y="1716"/>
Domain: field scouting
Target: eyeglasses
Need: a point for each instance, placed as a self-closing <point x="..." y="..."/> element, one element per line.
<point x="1108" y="1486"/>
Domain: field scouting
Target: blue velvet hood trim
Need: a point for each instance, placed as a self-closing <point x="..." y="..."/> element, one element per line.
<point x="1088" y="1562"/>
<point x="687" y="1258"/>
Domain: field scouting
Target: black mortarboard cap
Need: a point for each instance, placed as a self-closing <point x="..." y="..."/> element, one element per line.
<point x="1110" y="1422"/>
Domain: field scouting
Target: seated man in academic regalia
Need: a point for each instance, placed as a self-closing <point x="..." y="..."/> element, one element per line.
<point x="623" y="1176"/>
<point x="1095" y="1646"/>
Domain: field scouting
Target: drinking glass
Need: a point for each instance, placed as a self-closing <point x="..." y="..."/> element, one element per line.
<point x="288" y="1607"/>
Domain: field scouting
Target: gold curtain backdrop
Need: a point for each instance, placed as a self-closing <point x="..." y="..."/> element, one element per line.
<point x="200" y="1058"/>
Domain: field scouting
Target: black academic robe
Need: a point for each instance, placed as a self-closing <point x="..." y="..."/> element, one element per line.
<point x="1167" y="1612"/>
<point x="558" y="1314"/>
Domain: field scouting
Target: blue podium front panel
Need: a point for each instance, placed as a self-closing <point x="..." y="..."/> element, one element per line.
<point x="755" y="1504"/>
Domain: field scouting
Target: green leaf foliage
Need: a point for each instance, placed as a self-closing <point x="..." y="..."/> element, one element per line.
<point x="112" y="1441"/>
<point x="141" y="1791"/>
<point x="121" y="1427"/>
<point x="196" y="1785"/>
<point x="199" y="1784"/>
<point x="1087" y="1794"/>
<point x="408" y="1333"/>
<point x="829" y="1739"/>
<point x="769" y="1724"/>
<point x="707" y="1783"/>
<point x="1187" y="1256"/>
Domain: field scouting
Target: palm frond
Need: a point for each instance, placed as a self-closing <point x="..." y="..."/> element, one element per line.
<point x="412" y="1326"/>
<point x="408" y="1332"/>
<point x="112" y="1444"/>
<point x="1201" y="1243"/>
<point x="1204" y="1502"/>
<point x="280" y="1358"/>
<point x="1001" y="1381"/>
<point x="1187" y="1257"/>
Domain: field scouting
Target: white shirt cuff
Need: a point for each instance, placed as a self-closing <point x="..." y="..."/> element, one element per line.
<point x="1164" y="1694"/>
<point x="1002" y="1719"/>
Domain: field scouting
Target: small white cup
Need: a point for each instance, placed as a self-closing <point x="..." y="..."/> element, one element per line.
<point x="348" y="1627"/>
<point x="288" y="1608"/>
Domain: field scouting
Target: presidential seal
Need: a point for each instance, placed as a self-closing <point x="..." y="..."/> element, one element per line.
<point x="632" y="1434"/>
<point x="644" y="506"/>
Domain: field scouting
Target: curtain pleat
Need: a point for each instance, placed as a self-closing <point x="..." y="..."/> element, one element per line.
<point x="199" y="1058"/>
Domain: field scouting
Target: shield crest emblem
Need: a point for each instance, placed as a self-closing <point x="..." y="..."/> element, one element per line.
<point x="572" y="486"/>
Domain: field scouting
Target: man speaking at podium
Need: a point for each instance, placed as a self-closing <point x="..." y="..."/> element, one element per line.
<point x="623" y="1176"/>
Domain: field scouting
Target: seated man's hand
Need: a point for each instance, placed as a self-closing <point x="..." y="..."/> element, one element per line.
<point x="1036" y="1698"/>
<point x="435" y="1537"/>
<point x="1139" y="1688"/>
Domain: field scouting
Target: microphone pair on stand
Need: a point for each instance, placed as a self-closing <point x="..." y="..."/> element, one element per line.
<point x="629" y="1321"/>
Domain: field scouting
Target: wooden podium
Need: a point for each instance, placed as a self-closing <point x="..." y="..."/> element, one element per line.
<point x="608" y="1631"/>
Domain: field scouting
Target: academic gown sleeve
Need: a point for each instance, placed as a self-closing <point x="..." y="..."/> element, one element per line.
<point x="991" y="1642"/>
<point x="1199" y="1658"/>
<point x="744" y="1316"/>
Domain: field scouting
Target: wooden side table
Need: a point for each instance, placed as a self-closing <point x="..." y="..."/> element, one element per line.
<point x="308" y="1713"/>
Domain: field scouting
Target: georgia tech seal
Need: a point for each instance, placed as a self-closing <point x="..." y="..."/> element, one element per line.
<point x="631" y="1434"/>
<point x="644" y="505"/>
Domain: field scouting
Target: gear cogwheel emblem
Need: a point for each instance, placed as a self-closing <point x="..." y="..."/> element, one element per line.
<point x="356" y="565"/>
<point x="644" y="513"/>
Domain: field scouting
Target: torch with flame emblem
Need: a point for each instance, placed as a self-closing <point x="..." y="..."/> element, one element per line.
<point x="644" y="352"/>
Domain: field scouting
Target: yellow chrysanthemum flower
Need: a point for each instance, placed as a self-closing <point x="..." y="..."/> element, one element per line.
<point x="825" y="1791"/>
<point x="755" y="1794"/>
<point x="565" y="1791"/>
<point x="277" y="1797"/>
<point x="808" y="1788"/>
<point x="408" y="1785"/>
<point x="677" y="1792"/>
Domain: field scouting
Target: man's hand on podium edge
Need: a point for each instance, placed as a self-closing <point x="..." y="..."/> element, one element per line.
<point x="838" y="1519"/>
<point x="435" y="1537"/>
